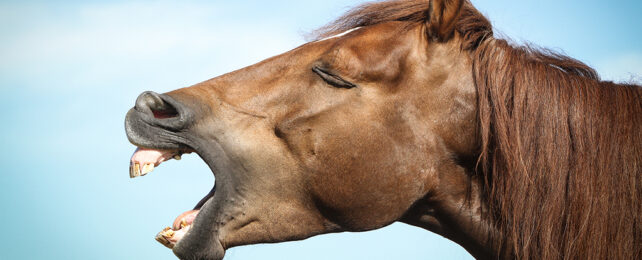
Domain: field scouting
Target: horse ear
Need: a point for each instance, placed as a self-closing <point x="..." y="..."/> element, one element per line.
<point x="442" y="18"/>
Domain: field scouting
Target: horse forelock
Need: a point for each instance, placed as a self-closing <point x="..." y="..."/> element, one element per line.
<point x="560" y="155"/>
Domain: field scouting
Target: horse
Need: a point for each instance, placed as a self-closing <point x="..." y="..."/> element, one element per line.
<point x="407" y="111"/>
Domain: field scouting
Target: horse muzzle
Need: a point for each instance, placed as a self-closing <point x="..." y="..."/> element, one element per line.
<point x="158" y="121"/>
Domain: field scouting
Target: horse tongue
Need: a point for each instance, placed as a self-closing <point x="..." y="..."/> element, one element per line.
<point x="143" y="160"/>
<point x="184" y="219"/>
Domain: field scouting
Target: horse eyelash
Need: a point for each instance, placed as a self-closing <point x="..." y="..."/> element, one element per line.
<point x="332" y="79"/>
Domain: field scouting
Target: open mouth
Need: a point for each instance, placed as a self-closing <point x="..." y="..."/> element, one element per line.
<point x="142" y="162"/>
<point x="159" y="126"/>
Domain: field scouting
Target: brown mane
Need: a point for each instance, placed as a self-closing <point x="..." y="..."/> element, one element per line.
<point x="561" y="151"/>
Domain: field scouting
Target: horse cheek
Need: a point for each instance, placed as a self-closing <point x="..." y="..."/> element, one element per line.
<point x="355" y="179"/>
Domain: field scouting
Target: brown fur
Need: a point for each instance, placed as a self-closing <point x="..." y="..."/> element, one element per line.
<point x="421" y="116"/>
<point x="560" y="156"/>
<point x="473" y="26"/>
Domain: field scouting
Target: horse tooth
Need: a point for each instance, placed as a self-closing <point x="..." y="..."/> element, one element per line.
<point x="169" y="233"/>
<point x="131" y="171"/>
<point x="136" y="170"/>
<point x="177" y="157"/>
<point x="147" y="168"/>
<point x="164" y="236"/>
<point x="183" y="223"/>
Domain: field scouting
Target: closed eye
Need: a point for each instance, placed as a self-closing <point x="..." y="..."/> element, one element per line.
<point x="332" y="79"/>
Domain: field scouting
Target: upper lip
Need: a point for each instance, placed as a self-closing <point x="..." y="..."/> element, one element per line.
<point x="145" y="130"/>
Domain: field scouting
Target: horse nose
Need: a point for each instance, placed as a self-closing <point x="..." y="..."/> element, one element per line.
<point x="153" y="103"/>
<point x="149" y="101"/>
<point x="155" y="117"/>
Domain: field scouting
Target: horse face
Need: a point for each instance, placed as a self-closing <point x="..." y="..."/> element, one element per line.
<point x="341" y="134"/>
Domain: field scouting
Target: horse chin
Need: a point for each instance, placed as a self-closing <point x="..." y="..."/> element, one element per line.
<point x="195" y="244"/>
<point x="213" y="252"/>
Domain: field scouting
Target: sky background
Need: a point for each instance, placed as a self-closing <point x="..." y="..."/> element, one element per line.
<point x="70" y="70"/>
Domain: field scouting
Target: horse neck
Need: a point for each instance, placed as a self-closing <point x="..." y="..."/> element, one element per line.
<point x="455" y="210"/>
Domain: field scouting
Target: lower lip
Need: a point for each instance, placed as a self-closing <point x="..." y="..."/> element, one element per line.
<point x="186" y="219"/>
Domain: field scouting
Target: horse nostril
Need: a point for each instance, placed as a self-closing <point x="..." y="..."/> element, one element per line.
<point x="152" y="102"/>
<point x="148" y="100"/>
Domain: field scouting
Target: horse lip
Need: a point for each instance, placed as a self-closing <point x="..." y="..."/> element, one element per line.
<point x="204" y="237"/>
<point x="207" y="197"/>
<point x="209" y="247"/>
<point x="140" y="132"/>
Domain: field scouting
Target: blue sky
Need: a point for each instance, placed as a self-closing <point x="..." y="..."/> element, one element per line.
<point x="69" y="71"/>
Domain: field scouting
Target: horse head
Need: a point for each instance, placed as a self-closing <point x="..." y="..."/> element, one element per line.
<point x="351" y="132"/>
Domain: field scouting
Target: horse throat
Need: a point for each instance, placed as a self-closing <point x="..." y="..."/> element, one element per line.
<point x="455" y="210"/>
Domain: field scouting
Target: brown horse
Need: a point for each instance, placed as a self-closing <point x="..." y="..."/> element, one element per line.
<point x="415" y="114"/>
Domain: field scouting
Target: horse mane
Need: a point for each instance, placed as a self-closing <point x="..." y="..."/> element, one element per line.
<point x="560" y="155"/>
<point x="560" y="151"/>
